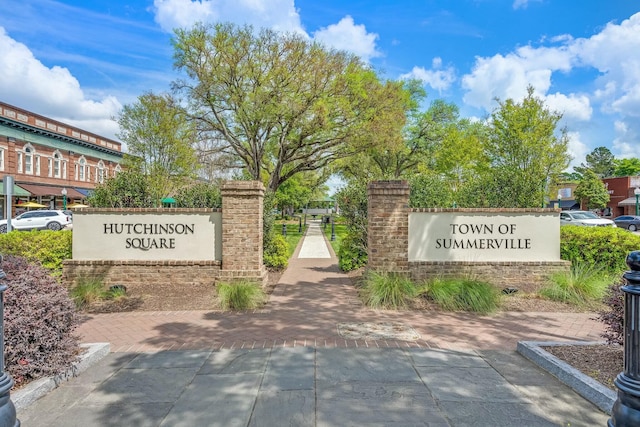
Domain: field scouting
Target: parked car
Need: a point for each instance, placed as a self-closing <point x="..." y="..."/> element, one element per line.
<point x="586" y="218"/>
<point x="630" y="222"/>
<point x="40" y="219"/>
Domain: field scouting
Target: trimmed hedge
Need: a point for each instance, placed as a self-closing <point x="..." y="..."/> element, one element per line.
<point x="602" y="247"/>
<point x="46" y="247"/>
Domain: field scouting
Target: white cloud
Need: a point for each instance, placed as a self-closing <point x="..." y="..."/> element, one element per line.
<point x="508" y="76"/>
<point x="577" y="149"/>
<point x="522" y="4"/>
<point x="346" y="35"/>
<point x="614" y="52"/>
<point x="572" y="107"/>
<point x="438" y="78"/>
<point x="280" y="15"/>
<point x="627" y="136"/>
<point x="53" y="92"/>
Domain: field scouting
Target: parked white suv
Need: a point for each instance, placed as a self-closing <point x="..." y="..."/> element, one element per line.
<point x="586" y="218"/>
<point x="40" y="219"/>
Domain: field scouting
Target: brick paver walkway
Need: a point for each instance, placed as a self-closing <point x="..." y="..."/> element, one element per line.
<point x="311" y="299"/>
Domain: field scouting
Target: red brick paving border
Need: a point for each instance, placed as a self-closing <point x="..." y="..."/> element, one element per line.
<point x="310" y="300"/>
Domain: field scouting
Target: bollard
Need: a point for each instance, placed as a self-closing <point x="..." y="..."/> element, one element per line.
<point x="7" y="410"/>
<point x="333" y="230"/>
<point x="626" y="409"/>
<point x="284" y="229"/>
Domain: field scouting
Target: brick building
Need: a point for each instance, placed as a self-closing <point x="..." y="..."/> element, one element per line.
<point x="47" y="158"/>
<point x="621" y="193"/>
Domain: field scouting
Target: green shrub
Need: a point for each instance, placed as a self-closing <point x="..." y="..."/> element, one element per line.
<point x="352" y="253"/>
<point x="39" y="322"/>
<point x="276" y="252"/>
<point x="241" y="295"/>
<point x="463" y="295"/>
<point x="582" y="284"/>
<point x="353" y="210"/>
<point x="47" y="247"/>
<point x="604" y="247"/>
<point x="387" y="290"/>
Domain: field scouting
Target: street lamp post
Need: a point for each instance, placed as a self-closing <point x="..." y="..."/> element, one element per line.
<point x="64" y="198"/>
<point x="626" y="409"/>
<point x="636" y="192"/>
<point x="559" y="200"/>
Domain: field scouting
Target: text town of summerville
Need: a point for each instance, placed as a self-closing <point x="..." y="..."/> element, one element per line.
<point x="147" y="243"/>
<point x="473" y="242"/>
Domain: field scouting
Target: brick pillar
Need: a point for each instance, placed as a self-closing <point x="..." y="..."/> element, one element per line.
<point x="388" y="229"/>
<point x="242" y="206"/>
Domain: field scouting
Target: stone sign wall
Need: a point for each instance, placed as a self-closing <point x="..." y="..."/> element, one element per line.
<point x="148" y="234"/>
<point x="507" y="247"/>
<point x="484" y="235"/>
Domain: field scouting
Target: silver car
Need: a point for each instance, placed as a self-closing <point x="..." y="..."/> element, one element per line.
<point x="585" y="218"/>
<point x="40" y="219"/>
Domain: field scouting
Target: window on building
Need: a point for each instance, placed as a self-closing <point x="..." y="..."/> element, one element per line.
<point x="64" y="169"/>
<point x="117" y="170"/>
<point x="28" y="159"/>
<point x="57" y="158"/>
<point x="82" y="164"/>
<point x="49" y="167"/>
<point x="100" y="172"/>
<point x="20" y="169"/>
<point x="2" y="158"/>
<point x="37" y="163"/>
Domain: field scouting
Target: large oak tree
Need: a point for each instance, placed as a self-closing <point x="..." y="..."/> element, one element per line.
<point x="280" y="103"/>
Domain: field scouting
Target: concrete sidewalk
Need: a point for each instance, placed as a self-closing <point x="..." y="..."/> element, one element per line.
<point x="308" y="386"/>
<point x="297" y="362"/>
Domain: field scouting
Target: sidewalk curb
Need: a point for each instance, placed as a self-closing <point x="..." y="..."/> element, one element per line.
<point x="30" y="393"/>
<point x="582" y="384"/>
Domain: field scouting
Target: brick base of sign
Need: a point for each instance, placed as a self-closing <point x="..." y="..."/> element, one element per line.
<point x="527" y="277"/>
<point x="162" y="284"/>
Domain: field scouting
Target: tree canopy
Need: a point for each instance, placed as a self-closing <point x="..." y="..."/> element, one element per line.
<point x="524" y="153"/>
<point x="627" y="167"/>
<point x="160" y="142"/>
<point x="591" y="191"/>
<point x="279" y="103"/>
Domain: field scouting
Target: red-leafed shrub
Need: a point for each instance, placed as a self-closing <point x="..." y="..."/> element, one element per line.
<point x="39" y="322"/>
<point x="613" y="316"/>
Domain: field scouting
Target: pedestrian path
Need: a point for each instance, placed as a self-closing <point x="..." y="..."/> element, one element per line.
<point x="311" y="305"/>
<point x="314" y="244"/>
<point x="308" y="387"/>
<point x="297" y="362"/>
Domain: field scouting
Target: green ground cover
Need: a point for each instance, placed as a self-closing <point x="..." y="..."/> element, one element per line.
<point x="340" y="231"/>
<point x="293" y="234"/>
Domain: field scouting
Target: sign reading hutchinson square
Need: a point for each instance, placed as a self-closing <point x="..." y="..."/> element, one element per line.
<point x="152" y="235"/>
<point x="484" y="237"/>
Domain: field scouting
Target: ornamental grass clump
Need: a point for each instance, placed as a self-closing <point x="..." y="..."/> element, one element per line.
<point x="461" y="294"/>
<point x="387" y="290"/>
<point x="583" y="284"/>
<point x="240" y="295"/>
<point x="87" y="291"/>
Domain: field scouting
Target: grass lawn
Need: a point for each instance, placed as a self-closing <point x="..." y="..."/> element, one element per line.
<point x="293" y="234"/>
<point x="340" y="231"/>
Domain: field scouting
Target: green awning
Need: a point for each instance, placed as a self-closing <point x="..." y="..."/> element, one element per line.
<point x="17" y="191"/>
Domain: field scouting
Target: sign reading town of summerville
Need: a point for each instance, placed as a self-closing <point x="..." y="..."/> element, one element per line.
<point x="482" y="237"/>
<point x="148" y="236"/>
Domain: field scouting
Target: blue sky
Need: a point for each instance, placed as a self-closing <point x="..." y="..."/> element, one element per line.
<point x="80" y="61"/>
